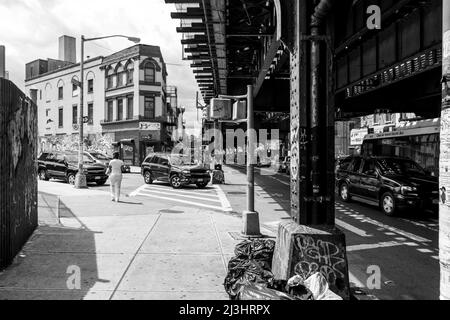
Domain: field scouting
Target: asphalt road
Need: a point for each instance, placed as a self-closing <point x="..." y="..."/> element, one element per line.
<point x="404" y="249"/>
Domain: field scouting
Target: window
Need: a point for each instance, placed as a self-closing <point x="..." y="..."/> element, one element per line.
<point x="129" y="72"/>
<point x="74" y="114"/>
<point x="109" y="79"/>
<point x="60" y="117"/>
<point x="40" y="94"/>
<point x="356" y="165"/>
<point x="130" y="108"/>
<point x="109" y="111"/>
<point x="60" y="93"/>
<point x="120" y="80"/>
<point x="47" y="112"/>
<point x="91" y="86"/>
<point x="149" y="72"/>
<point x="90" y="114"/>
<point x="74" y="90"/>
<point x="149" y="108"/>
<point x="369" y="168"/>
<point x="119" y="109"/>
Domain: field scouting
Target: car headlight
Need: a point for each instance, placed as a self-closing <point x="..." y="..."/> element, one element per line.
<point x="186" y="172"/>
<point x="408" y="189"/>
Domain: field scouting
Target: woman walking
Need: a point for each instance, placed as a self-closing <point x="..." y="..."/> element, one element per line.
<point x="115" y="176"/>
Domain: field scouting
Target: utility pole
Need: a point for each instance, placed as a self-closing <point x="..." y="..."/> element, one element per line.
<point x="250" y="216"/>
<point x="444" y="209"/>
<point x="80" y="179"/>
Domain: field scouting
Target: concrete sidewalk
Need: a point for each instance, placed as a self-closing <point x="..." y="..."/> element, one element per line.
<point x="127" y="250"/>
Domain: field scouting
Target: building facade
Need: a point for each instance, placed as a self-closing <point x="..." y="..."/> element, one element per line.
<point x="125" y="101"/>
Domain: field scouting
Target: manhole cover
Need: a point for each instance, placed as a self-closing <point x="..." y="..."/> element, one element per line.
<point x="171" y="211"/>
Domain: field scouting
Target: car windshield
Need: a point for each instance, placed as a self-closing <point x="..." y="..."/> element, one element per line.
<point x="99" y="156"/>
<point x="73" y="158"/>
<point x="399" y="166"/>
<point x="180" y="160"/>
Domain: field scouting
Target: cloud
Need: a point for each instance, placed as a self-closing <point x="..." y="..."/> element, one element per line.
<point x="30" y="29"/>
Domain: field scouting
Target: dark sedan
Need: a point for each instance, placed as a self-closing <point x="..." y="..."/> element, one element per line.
<point x="390" y="182"/>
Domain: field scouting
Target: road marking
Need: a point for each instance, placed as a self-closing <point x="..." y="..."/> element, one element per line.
<point x="423" y="225"/>
<point x="187" y="192"/>
<point x="359" y="247"/>
<point x="435" y="257"/>
<point x="223" y="199"/>
<point x="166" y="193"/>
<point x="355" y="281"/>
<point x="184" y="201"/>
<point x="137" y="191"/>
<point x="425" y="250"/>
<point x="282" y="182"/>
<point x="353" y="229"/>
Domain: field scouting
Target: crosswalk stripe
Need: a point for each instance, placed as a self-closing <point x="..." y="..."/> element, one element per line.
<point x="373" y="246"/>
<point x="183" y="201"/>
<point x="223" y="199"/>
<point x="353" y="229"/>
<point x="174" y="191"/>
<point x="147" y="192"/>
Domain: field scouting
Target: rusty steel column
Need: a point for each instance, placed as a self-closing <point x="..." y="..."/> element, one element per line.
<point x="444" y="183"/>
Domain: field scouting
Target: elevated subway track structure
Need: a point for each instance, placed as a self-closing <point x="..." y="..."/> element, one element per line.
<point x="320" y="61"/>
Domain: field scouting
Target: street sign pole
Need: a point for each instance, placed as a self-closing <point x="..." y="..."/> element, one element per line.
<point x="80" y="178"/>
<point x="250" y="216"/>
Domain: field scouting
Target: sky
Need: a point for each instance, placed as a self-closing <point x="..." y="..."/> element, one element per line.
<point x="30" y="30"/>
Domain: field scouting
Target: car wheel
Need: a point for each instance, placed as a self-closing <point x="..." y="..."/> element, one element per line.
<point x="175" y="182"/>
<point x="43" y="175"/>
<point x="388" y="204"/>
<point x="101" y="183"/>
<point x="344" y="194"/>
<point x="148" y="177"/>
<point x="202" y="185"/>
<point x="71" y="179"/>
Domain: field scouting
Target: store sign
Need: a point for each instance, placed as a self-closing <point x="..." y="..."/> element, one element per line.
<point x="221" y="109"/>
<point x="154" y="126"/>
<point x="357" y="136"/>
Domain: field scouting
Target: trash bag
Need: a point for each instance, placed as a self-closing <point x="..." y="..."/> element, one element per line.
<point x="319" y="287"/>
<point x="261" y="292"/>
<point x="296" y="288"/>
<point x="251" y="265"/>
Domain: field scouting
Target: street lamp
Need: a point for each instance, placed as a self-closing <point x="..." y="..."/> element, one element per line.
<point x="80" y="179"/>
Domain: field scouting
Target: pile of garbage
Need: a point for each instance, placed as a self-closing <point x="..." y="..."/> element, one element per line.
<point x="250" y="277"/>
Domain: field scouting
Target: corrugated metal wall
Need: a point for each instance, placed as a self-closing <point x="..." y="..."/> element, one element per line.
<point x="18" y="170"/>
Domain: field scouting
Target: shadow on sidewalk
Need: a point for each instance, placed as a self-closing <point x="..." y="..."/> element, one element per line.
<point x="57" y="263"/>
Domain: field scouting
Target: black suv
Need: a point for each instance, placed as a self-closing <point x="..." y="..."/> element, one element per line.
<point x="174" y="169"/>
<point x="64" y="166"/>
<point x="392" y="183"/>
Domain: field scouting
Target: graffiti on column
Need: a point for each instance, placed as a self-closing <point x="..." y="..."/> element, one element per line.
<point x="295" y="129"/>
<point x="444" y="170"/>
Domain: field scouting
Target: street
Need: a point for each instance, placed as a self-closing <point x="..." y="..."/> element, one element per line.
<point x="405" y="248"/>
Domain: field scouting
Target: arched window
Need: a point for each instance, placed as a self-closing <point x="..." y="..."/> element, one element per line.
<point x="109" y="78"/>
<point x="129" y="72"/>
<point x="149" y="72"/>
<point x="75" y="88"/>
<point x="48" y="90"/>
<point x="90" y="81"/>
<point x="60" y="90"/>
<point x="120" y="75"/>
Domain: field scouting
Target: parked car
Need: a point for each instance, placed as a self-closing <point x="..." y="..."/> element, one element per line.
<point x="390" y="182"/>
<point x="174" y="169"/>
<point x="99" y="157"/>
<point x="64" y="166"/>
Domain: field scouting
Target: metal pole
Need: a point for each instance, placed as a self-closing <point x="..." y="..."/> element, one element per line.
<point x="250" y="152"/>
<point x="444" y="211"/>
<point x="251" y="217"/>
<point x="80" y="180"/>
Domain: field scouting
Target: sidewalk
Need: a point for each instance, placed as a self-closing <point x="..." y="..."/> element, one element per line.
<point x="126" y="250"/>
